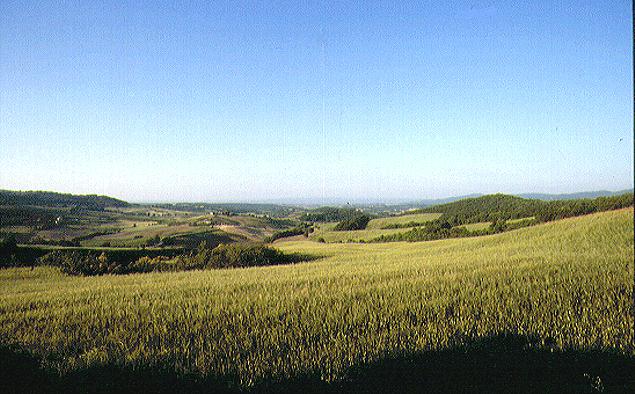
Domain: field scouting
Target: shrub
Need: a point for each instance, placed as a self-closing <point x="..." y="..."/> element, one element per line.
<point x="240" y="256"/>
<point x="303" y="229"/>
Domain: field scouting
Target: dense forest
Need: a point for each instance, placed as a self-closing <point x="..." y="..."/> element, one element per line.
<point x="504" y="207"/>
<point x="52" y="199"/>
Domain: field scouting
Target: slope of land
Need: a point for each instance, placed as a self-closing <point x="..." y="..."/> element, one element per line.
<point x="75" y="220"/>
<point x="326" y="233"/>
<point x="41" y="198"/>
<point x="502" y="206"/>
<point x="402" y="220"/>
<point x="564" y="287"/>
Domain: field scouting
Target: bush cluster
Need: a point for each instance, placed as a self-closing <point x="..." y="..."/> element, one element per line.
<point x="238" y="255"/>
<point x="357" y="222"/>
<point x="303" y="229"/>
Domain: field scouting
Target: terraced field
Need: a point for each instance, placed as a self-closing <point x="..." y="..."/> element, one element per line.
<point x="562" y="287"/>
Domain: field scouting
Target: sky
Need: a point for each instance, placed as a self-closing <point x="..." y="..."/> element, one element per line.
<point x="267" y="101"/>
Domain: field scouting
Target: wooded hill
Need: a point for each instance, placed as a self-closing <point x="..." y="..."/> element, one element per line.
<point x="505" y="207"/>
<point x="52" y="199"/>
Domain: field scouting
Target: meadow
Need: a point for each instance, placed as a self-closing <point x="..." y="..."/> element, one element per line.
<point x="417" y="218"/>
<point x="561" y="287"/>
<point x="326" y="232"/>
<point x="476" y="226"/>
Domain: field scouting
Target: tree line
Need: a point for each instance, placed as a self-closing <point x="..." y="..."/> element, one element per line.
<point x="302" y="229"/>
<point x="236" y="255"/>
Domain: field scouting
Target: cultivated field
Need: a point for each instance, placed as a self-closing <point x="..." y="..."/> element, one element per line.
<point x="563" y="286"/>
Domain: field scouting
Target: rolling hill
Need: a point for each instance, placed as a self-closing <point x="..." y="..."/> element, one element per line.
<point x="558" y="293"/>
<point x="52" y="199"/>
<point x="502" y="206"/>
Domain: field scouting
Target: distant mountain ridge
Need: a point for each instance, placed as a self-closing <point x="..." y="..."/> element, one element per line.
<point x="53" y="199"/>
<point x="531" y="196"/>
<point x="94" y="201"/>
<point x="438" y="201"/>
<point x="573" y="196"/>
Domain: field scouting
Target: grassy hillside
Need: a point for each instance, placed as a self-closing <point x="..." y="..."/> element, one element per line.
<point x="476" y="226"/>
<point x="129" y="226"/>
<point x="326" y="231"/>
<point x="401" y="220"/>
<point x="564" y="286"/>
<point x="353" y="235"/>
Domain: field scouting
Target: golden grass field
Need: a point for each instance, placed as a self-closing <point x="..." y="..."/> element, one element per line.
<point x="568" y="283"/>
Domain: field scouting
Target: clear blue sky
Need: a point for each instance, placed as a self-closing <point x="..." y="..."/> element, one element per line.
<point x="218" y="101"/>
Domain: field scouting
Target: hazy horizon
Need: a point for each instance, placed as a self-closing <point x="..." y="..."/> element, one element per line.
<point x="319" y="201"/>
<point x="241" y="101"/>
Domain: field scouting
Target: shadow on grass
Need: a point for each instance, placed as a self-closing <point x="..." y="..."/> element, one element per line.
<point x="498" y="364"/>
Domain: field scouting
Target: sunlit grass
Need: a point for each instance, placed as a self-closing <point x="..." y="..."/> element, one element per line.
<point x="568" y="283"/>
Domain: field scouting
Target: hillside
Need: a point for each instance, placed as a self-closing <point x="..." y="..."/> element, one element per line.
<point x="52" y="199"/>
<point x="557" y="293"/>
<point x="402" y="221"/>
<point x="501" y="206"/>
